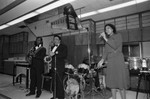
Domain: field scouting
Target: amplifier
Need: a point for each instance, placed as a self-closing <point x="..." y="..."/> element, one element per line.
<point x="47" y="84"/>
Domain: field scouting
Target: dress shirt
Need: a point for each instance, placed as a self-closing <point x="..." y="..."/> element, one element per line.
<point x="54" y="49"/>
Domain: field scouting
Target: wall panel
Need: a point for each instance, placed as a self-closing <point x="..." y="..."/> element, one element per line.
<point x="125" y="35"/>
<point x="100" y="27"/>
<point x="133" y="21"/>
<point x="146" y="33"/>
<point x="121" y="23"/>
<point x="80" y="53"/>
<point x="146" y="19"/>
<point x="69" y="41"/>
<point x="134" y="35"/>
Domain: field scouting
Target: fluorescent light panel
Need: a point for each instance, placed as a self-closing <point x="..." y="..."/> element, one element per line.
<point x="62" y="2"/>
<point x="34" y="13"/>
<point x="54" y="5"/>
<point x="3" y="26"/>
<point x="126" y="4"/>
<point x="88" y="14"/>
<point x="22" y="18"/>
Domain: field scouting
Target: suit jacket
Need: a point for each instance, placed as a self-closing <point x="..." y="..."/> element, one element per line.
<point x="59" y="58"/>
<point x="38" y="60"/>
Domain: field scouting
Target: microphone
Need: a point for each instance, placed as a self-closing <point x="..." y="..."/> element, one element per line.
<point x="101" y="35"/>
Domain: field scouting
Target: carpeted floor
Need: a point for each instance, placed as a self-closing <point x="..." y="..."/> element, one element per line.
<point x="3" y="96"/>
<point x="93" y="94"/>
<point x="18" y="91"/>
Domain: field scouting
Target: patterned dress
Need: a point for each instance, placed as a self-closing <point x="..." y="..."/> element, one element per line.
<point x="117" y="74"/>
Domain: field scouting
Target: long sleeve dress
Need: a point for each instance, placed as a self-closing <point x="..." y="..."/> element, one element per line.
<point x="117" y="75"/>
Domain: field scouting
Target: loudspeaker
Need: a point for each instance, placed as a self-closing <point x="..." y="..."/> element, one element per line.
<point x="47" y="84"/>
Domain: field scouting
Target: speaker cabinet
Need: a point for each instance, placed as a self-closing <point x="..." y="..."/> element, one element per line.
<point x="47" y="84"/>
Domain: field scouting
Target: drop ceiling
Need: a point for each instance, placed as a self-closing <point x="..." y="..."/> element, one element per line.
<point x="80" y="6"/>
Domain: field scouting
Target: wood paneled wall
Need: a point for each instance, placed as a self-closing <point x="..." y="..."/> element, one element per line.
<point x="18" y="43"/>
<point x="134" y="28"/>
<point x="4" y="50"/>
<point x="78" y="43"/>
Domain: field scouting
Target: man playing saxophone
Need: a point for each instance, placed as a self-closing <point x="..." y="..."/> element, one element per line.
<point x="37" y="55"/>
<point x="59" y="55"/>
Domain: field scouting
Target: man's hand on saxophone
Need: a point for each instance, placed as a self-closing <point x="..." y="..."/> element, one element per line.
<point x="48" y="58"/>
<point x="51" y="53"/>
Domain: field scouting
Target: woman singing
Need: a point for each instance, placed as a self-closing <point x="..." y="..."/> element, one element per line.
<point x="116" y="73"/>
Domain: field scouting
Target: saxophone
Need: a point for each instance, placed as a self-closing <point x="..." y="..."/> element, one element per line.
<point x="48" y="58"/>
<point x="30" y="54"/>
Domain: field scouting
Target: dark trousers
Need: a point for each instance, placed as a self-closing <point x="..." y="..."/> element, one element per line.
<point x="58" y="84"/>
<point x="36" y="80"/>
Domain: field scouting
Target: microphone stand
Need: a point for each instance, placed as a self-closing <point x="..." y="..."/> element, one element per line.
<point x="55" y="78"/>
<point x="91" y="92"/>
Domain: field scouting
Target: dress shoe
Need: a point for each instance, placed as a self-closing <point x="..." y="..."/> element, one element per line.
<point x="57" y="98"/>
<point x="29" y="94"/>
<point x="98" y="89"/>
<point x="38" y="95"/>
<point x="52" y="98"/>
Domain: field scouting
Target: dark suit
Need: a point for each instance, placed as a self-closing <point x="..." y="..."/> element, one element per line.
<point x="37" y="68"/>
<point x="59" y="58"/>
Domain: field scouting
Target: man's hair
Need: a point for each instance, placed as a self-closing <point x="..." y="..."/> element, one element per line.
<point x="40" y="39"/>
<point x="58" y="37"/>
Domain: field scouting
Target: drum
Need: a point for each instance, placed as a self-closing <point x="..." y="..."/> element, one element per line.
<point x="135" y="63"/>
<point x="148" y="63"/>
<point x="92" y="73"/>
<point x="83" y="69"/>
<point x="72" y="84"/>
<point x="69" y="69"/>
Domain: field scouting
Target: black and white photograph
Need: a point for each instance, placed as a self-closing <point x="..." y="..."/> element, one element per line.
<point x="74" y="49"/>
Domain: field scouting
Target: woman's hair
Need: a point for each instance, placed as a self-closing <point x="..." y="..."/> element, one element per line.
<point x="112" y="26"/>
